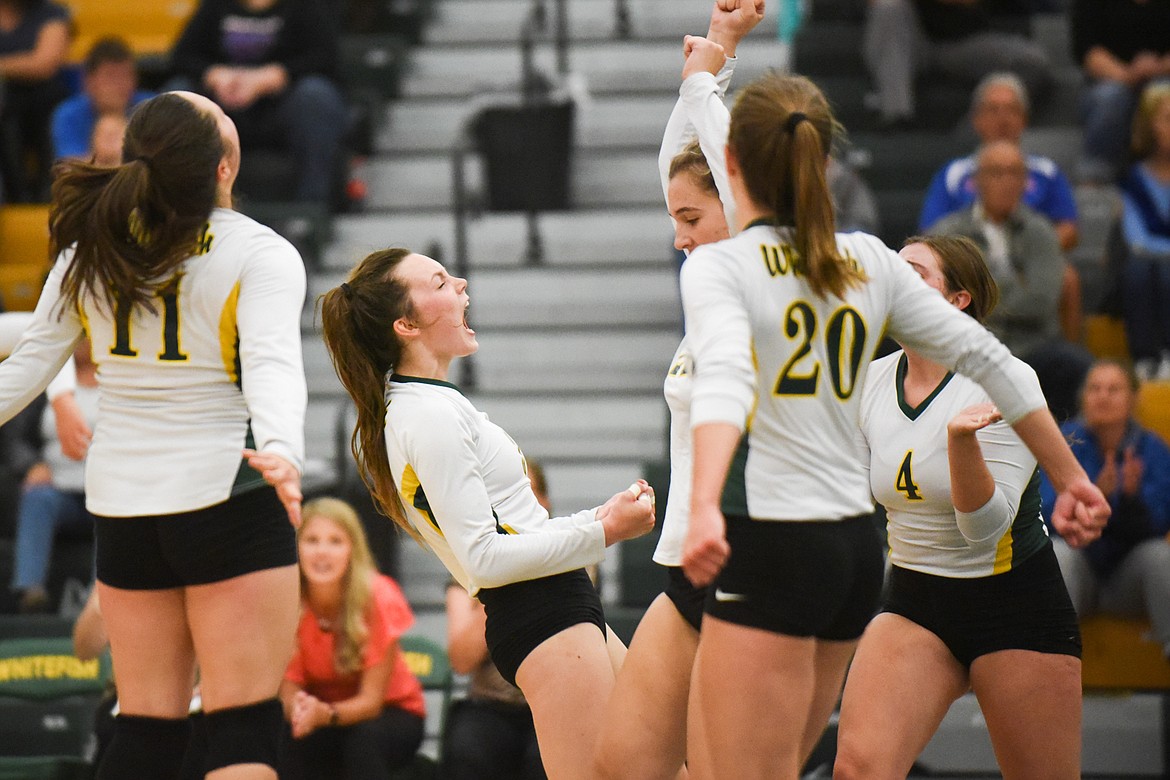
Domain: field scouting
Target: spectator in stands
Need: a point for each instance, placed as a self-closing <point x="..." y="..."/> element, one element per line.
<point x="1145" y="227"/>
<point x="1023" y="253"/>
<point x="53" y="496"/>
<point x="999" y="112"/>
<point x="1121" y="45"/>
<point x="270" y="64"/>
<point x="354" y="708"/>
<point x="956" y="39"/>
<point x="34" y="39"/>
<point x="1127" y="570"/>
<point x="109" y="86"/>
<point x="490" y="734"/>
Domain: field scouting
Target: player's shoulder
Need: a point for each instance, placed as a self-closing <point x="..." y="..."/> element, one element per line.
<point x="253" y="241"/>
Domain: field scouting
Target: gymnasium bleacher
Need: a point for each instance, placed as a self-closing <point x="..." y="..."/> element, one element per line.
<point x="574" y="347"/>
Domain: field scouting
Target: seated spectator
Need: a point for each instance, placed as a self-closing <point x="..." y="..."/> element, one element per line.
<point x="354" y="708"/>
<point x="1023" y="253"/>
<point x="1127" y="570"/>
<point x="1145" y="228"/>
<point x="53" y="497"/>
<point x="1121" y="45"/>
<point x="270" y="65"/>
<point x="109" y="85"/>
<point x="489" y="735"/>
<point x="106" y="143"/>
<point x="906" y="37"/>
<point x="34" y="40"/>
<point x="999" y="112"/>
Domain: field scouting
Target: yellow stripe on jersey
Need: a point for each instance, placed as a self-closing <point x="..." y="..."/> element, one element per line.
<point x="751" y="416"/>
<point x="507" y="528"/>
<point x="229" y="336"/>
<point x="411" y="491"/>
<point x="1003" y="554"/>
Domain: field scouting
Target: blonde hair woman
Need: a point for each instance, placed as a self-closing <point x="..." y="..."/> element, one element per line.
<point x="354" y="707"/>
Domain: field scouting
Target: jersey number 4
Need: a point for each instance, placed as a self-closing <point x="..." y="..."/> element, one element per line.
<point x="904" y="484"/>
<point x="844" y="342"/>
<point x="123" y="346"/>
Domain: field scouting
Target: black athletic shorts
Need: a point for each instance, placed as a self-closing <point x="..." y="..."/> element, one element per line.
<point x="248" y="532"/>
<point x="1025" y="608"/>
<point x="521" y="615"/>
<point x="804" y="579"/>
<point x="687" y="599"/>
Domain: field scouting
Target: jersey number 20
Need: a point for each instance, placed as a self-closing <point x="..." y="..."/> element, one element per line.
<point x="844" y="342"/>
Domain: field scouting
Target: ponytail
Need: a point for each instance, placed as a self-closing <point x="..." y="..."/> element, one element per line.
<point x="781" y="133"/>
<point x="132" y="224"/>
<point x="357" y="322"/>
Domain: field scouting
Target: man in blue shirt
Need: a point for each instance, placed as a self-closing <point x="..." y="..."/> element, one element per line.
<point x="109" y="87"/>
<point x="999" y="112"/>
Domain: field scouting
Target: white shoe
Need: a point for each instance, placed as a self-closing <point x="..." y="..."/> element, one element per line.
<point x="1163" y="372"/>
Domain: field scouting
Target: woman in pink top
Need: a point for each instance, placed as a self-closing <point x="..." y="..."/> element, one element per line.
<point x="354" y="708"/>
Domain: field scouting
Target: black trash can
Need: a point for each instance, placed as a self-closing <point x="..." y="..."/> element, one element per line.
<point x="527" y="152"/>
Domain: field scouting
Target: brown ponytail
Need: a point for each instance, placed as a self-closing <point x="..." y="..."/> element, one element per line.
<point x="134" y="223"/>
<point x="357" y="322"/>
<point x="781" y="133"/>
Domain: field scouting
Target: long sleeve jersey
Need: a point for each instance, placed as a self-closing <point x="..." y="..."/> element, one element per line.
<point x="786" y="366"/>
<point x="216" y="366"/>
<point x="464" y="487"/>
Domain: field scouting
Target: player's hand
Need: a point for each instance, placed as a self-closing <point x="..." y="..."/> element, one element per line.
<point x="732" y="20"/>
<point x="283" y="476"/>
<point x="73" y="431"/>
<point x="628" y="514"/>
<point x="972" y="419"/>
<point x="705" y="551"/>
<point x="701" y="55"/>
<point x="1080" y="512"/>
<point x="305" y="717"/>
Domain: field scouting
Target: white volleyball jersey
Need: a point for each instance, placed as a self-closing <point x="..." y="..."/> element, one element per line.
<point x="464" y="486"/>
<point x="909" y="474"/>
<point x="677" y="389"/>
<point x="216" y="366"/>
<point x="786" y="366"/>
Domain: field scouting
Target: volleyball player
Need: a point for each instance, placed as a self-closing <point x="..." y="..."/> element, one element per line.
<point x="451" y="478"/>
<point x="782" y="320"/>
<point x="645" y="733"/>
<point x="975" y="598"/>
<point x="194" y="315"/>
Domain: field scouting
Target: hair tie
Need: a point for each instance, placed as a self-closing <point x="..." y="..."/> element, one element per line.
<point x="794" y="119"/>
<point x="144" y="159"/>
<point x="345" y="289"/>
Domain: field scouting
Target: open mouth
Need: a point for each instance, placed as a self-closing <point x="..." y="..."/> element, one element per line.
<point x="465" y="323"/>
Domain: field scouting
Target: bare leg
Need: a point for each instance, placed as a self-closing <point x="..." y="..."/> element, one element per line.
<point x="243" y="630"/>
<point x="757" y="689"/>
<point x="832" y="660"/>
<point x="1024" y="693"/>
<point x="901" y="684"/>
<point x="567" y="680"/>
<point x="644" y="735"/>
<point x="154" y="661"/>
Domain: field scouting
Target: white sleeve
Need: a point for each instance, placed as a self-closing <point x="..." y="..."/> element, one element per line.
<point x="1011" y="466"/>
<point x="441" y="449"/>
<point x="922" y="319"/>
<point x="700" y="112"/>
<point x="64" y="382"/>
<point x="12" y="325"/>
<point x="720" y="336"/>
<point x="711" y="121"/>
<point x="44" y="346"/>
<point x="268" y="313"/>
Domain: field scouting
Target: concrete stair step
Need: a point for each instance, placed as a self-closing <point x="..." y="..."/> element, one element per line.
<point x="633" y="236"/>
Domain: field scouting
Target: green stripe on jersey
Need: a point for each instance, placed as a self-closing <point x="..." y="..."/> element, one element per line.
<point x="734" y="501"/>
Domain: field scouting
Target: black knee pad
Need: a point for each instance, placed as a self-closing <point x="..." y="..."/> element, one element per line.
<point x="244" y="735"/>
<point x="145" y="747"/>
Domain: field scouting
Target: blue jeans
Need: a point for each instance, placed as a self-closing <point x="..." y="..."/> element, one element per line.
<point x="43" y="511"/>
<point x="1106" y="111"/>
<point x="1145" y="290"/>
